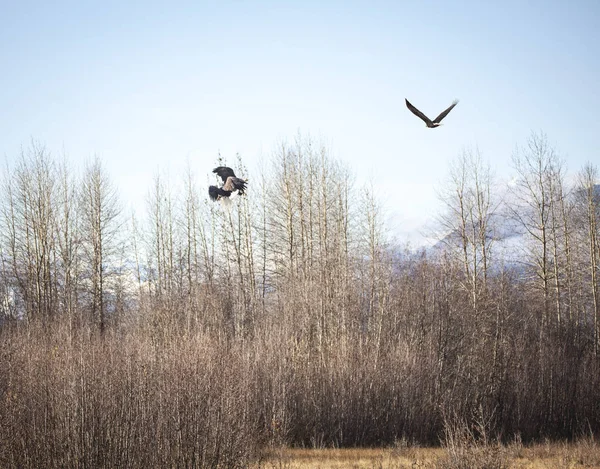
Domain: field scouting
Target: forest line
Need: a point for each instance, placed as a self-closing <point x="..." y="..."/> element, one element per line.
<point x="292" y="317"/>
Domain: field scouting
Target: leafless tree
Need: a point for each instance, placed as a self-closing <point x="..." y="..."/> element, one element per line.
<point x="68" y="242"/>
<point x="468" y="220"/>
<point x="535" y="198"/>
<point x="100" y="225"/>
<point x="590" y="196"/>
<point x="29" y="213"/>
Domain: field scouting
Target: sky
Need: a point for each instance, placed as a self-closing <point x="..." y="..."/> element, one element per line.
<point x="150" y="87"/>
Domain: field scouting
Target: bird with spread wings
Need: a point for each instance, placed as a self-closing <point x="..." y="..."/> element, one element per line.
<point x="430" y="123"/>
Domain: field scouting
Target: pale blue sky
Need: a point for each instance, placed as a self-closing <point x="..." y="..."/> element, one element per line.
<point x="148" y="85"/>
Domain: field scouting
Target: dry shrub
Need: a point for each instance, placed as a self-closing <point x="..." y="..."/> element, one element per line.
<point x="123" y="401"/>
<point x="471" y="446"/>
<point x="585" y="452"/>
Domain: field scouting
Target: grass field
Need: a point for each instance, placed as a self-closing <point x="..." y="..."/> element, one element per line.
<point x="584" y="454"/>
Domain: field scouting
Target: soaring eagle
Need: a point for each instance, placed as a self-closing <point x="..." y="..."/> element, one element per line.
<point x="231" y="183"/>
<point x="436" y="122"/>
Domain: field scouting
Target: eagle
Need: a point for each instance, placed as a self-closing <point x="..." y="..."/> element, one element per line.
<point x="436" y="122"/>
<point x="231" y="183"/>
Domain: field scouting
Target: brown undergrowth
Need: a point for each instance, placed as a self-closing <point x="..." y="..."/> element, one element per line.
<point x="123" y="401"/>
<point x="134" y="398"/>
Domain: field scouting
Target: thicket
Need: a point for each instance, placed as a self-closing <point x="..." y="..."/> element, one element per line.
<point x="197" y="334"/>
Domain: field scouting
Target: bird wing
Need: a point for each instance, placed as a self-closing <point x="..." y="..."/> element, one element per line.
<point x="213" y="192"/>
<point x="224" y="172"/>
<point x="439" y="118"/>
<point x="418" y="113"/>
<point x="234" y="183"/>
<point x="240" y="185"/>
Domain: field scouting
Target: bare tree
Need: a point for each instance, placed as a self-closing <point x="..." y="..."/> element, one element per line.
<point x="99" y="216"/>
<point x="375" y="268"/>
<point x="588" y="188"/>
<point x="162" y="238"/>
<point x="468" y="220"/>
<point x="29" y="212"/>
<point x="68" y="243"/>
<point x="535" y="199"/>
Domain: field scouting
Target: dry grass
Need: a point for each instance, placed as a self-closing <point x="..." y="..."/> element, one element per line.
<point x="583" y="454"/>
<point x="354" y="458"/>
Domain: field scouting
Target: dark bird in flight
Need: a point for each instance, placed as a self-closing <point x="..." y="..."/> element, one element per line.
<point x="231" y="183"/>
<point x="427" y="120"/>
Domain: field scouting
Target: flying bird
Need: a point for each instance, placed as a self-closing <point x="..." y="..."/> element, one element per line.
<point x="231" y="183"/>
<point x="427" y="120"/>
